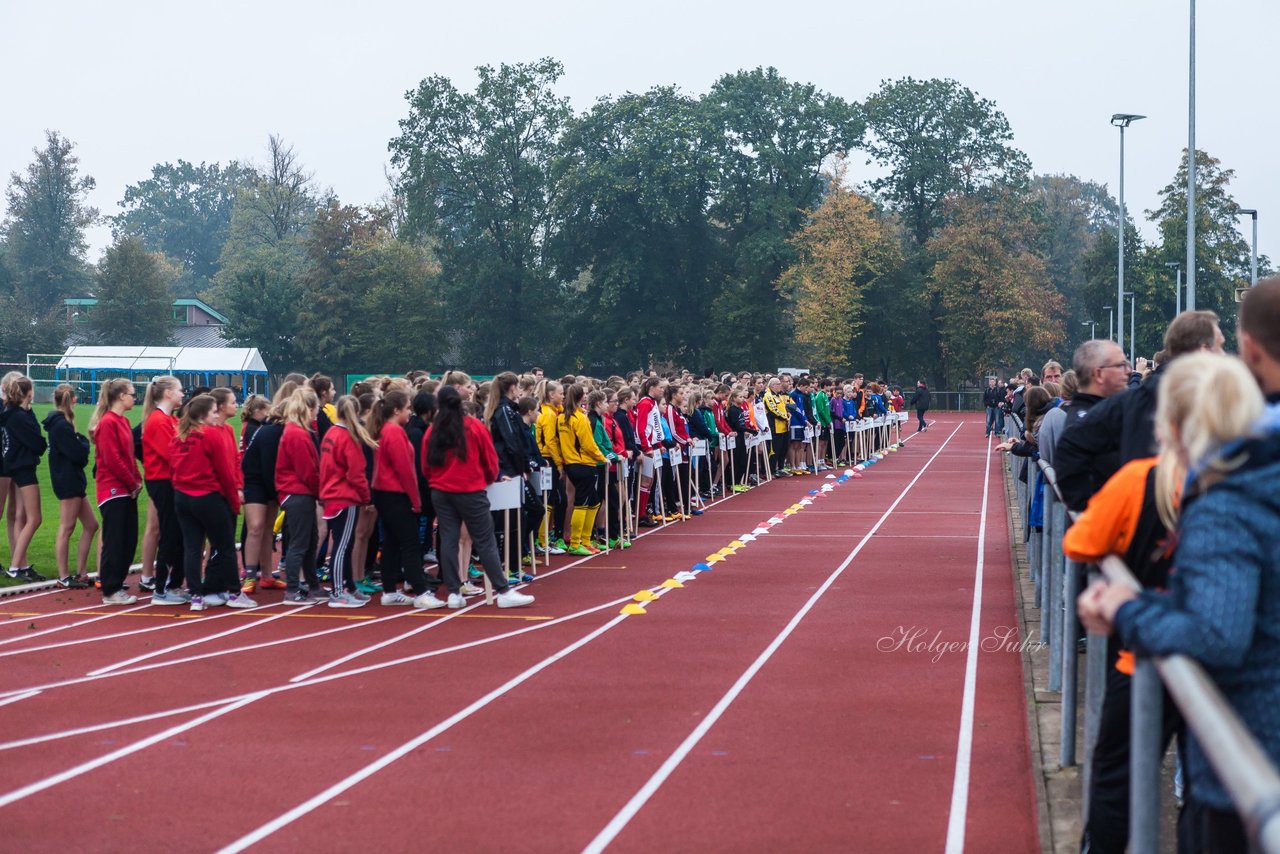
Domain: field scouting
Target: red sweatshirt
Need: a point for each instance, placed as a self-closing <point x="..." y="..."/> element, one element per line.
<point x="342" y="480"/>
<point x="722" y="424"/>
<point x="297" y="463"/>
<point x="473" y="474"/>
<point x="204" y="464"/>
<point x="116" y="472"/>
<point x="157" y="444"/>
<point x="648" y="430"/>
<point x="393" y="465"/>
<point x="679" y="426"/>
<point x="229" y="436"/>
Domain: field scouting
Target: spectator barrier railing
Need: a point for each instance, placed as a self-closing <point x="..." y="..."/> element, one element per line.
<point x="1239" y="762"/>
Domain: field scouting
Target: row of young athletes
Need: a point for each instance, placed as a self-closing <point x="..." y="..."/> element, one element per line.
<point x="577" y="439"/>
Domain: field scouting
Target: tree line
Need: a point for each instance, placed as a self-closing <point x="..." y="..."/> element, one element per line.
<point x="719" y="230"/>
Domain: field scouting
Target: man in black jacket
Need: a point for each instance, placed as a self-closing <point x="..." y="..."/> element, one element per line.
<point x="992" y="397"/>
<point x="1122" y="428"/>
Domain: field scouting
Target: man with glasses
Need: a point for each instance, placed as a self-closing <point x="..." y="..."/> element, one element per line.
<point x="1120" y="423"/>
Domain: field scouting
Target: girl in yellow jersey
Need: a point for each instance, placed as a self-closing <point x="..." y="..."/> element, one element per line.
<point x="550" y="397"/>
<point x="580" y="455"/>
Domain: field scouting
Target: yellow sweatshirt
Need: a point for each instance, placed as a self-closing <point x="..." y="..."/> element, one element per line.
<point x="577" y="444"/>
<point x="548" y="435"/>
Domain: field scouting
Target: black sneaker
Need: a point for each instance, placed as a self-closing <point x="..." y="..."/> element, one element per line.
<point x="147" y="583"/>
<point x="25" y="573"/>
<point x="73" y="582"/>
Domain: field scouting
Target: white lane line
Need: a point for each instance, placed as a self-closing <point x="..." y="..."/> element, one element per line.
<point x="177" y="623"/>
<point x="99" y="619"/>
<point x="168" y="713"/>
<point x="253" y="624"/>
<point x="964" y="746"/>
<point x="372" y="768"/>
<point x="86" y="767"/>
<point x="54" y="736"/>
<point x="19" y="598"/>
<point x="18" y="697"/>
<point x="647" y="791"/>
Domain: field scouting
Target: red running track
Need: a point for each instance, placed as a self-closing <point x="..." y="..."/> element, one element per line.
<point x="815" y="690"/>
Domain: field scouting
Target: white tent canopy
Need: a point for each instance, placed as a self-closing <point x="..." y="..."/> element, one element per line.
<point x="202" y="360"/>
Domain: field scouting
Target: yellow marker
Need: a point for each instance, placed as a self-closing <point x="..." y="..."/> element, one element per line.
<point x="737" y="544"/>
<point x="645" y="596"/>
<point x="725" y="552"/>
<point x="632" y="609"/>
<point x="670" y="584"/>
<point x="714" y="559"/>
<point x="789" y="512"/>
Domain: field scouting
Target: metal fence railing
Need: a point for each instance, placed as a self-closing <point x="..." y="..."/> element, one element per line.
<point x="1244" y="768"/>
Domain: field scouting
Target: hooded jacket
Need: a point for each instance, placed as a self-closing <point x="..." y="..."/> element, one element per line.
<point x="68" y="456"/>
<point x="21" y="441"/>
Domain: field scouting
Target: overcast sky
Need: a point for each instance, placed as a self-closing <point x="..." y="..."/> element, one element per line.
<point x="138" y="83"/>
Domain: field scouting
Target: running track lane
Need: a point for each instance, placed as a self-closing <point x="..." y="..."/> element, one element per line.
<point x="812" y="754"/>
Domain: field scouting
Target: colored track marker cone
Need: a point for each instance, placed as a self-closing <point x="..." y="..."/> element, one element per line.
<point x="632" y="609"/>
<point x="848" y="472"/>
<point x="672" y="584"/>
<point x="686" y="575"/>
<point x="713" y="559"/>
<point x="645" y="596"/>
<point x="700" y="567"/>
<point x="737" y="544"/>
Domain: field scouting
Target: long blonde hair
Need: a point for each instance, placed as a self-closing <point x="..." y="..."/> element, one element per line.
<point x="155" y="391"/>
<point x="349" y="415"/>
<point x="300" y="408"/>
<point x="64" y="400"/>
<point x="110" y="391"/>
<point x="1206" y="400"/>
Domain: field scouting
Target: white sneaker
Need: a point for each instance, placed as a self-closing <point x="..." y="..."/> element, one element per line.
<point x="555" y="550"/>
<point x="159" y="598"/>
<point x="119" y="598"/>
<point x="430" y="557"/>
<point x="197" y="603"/>
<point x="469" y="589"/>
<point x="241" y="600"/>
<point x="345" y="600"/>
<point x="512" y="598"/>
<point x="213" y="600"/>
<point x="429" y="602"/>
<point x="396" y="598"/>
<point x="456" y="601"/>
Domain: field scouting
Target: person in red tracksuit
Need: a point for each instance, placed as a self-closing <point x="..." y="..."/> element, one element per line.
<point x="399" y="503"/>
<point x="159" y="426"/>
<point x="297" y="479"/>
<point x="117" y="483"/>
<point x="344" y="493"/>
<point x="207" y="499"/>
<point x="648" y="423"/>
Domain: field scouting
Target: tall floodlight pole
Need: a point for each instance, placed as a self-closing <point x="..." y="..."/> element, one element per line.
<point x="1133" y="338"/>
<point x="1177" y="288"/>
<point x="1253" y="254"/>
<point x="1111" y="322"/>
<point x="1093" y="328"/>
<point x="1191" y="167"/>
<point x="1122" y="121"/>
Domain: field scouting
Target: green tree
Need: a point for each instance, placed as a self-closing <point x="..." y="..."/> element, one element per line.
<point x="475" y="171"/>
<point x="184" y="210"/>
<point x="774" y="136"/>
<point x="633" y="185"/>
<point x="328" y="314"/>
<point x="1222" y="254"/>
<point x="134" y="300"/>
<point x="997" y="309"/>
<point x="1072" y="214"/>
<point x="260" y="295"/>
<point x="400" y="280"/>
<point x="935" y="139"/>
<point x="844" y="249"/>
<point x="44" y="229"/>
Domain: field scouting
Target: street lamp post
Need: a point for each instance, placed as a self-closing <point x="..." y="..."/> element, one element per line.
<point x="1093" y="328"/>
<point x="1111" y="322"/>
<point x="1122" y="121"/>
<point x="1133" y="349"/>
<point x="1253" y="254"/>
<point x="1177" y="290"/>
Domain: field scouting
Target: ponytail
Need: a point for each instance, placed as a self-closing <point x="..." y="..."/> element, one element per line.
<point x="196" y="410"/>
<point x="155" y="391"/>
<point x="448" y="431"/>
<point x="300" y="408"/>
<point x="384" y="409"/>
<point x="64" y="400"/>
<point x="109" y="393"/>
<point x="572" y="397"/>
<point x="498" y="389"/>
<point x="349" y="415"/>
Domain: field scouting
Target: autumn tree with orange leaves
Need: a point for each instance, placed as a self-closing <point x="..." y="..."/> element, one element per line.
<point x="992" y="295"/>
<point x="845" y="247"/>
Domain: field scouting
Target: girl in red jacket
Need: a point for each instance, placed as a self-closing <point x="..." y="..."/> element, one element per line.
<point x="459" y="461"/>
<point x="159" y="426"/>
<point x="398" y="501"/>
<point x="297" y="487"/>
<point x="207" y="499"/>
<point x="344" y="493"/>
<point x="117" y="483"/>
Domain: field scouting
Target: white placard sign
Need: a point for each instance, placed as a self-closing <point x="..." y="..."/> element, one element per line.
<point x="505" y="494"/>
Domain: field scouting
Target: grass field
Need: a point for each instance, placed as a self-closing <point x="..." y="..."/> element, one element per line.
<point x="40" y="554"/>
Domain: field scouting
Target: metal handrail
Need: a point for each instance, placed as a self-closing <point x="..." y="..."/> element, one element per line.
<point x="1244" y="768"/>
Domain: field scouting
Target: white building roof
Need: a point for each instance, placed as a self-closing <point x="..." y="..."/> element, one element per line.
<point x="219" y="360"/>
